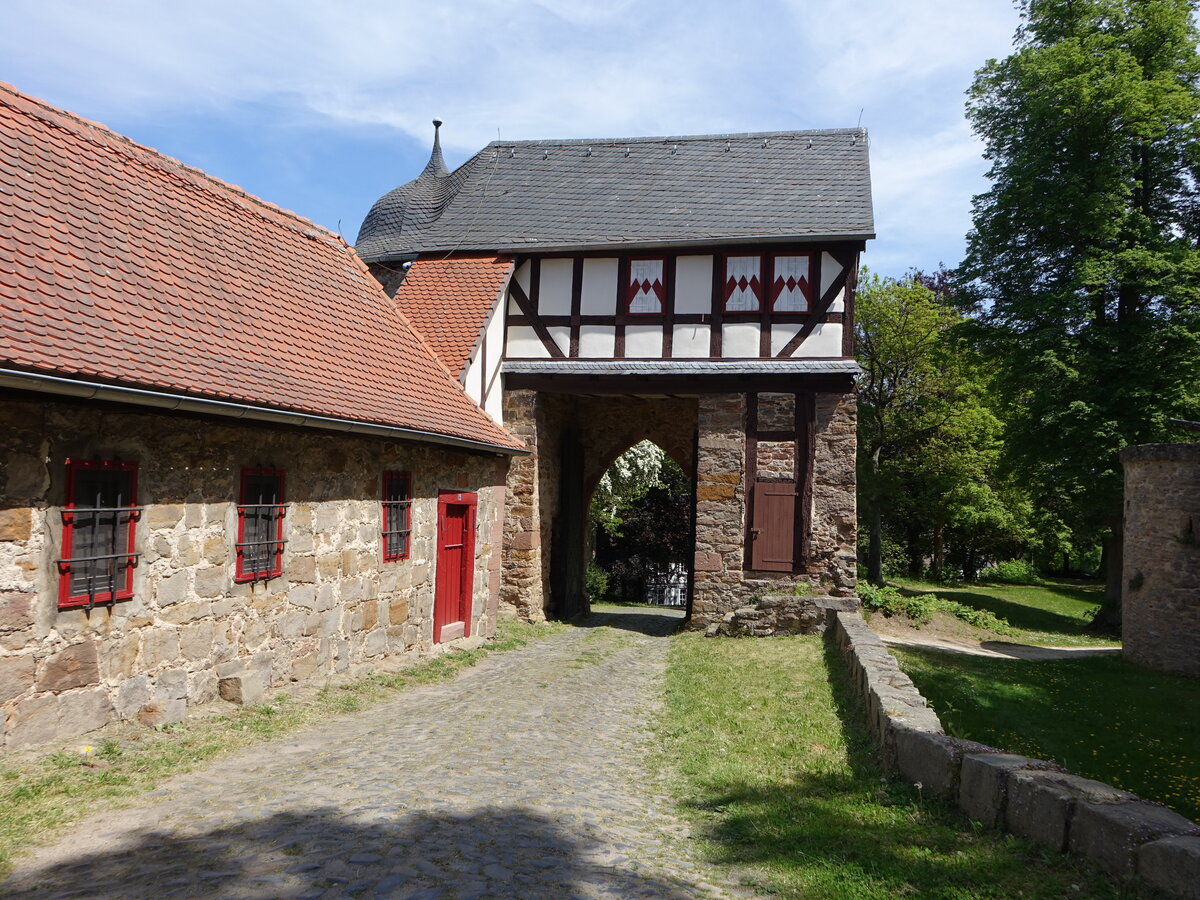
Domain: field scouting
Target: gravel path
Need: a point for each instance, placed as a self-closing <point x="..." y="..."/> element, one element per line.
<point x="520" y="778"/>
<point x="995" y="649"/>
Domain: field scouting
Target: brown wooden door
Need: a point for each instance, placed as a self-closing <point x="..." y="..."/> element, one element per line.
<point x="773" y="530"/>
<point x="455" y="566"/>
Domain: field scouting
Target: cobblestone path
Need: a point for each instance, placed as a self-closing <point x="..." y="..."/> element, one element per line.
<point x="520" y="778"/>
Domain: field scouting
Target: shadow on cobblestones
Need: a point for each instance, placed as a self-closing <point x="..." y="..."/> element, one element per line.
<point x="634" y="618"/>
<point x="489" y="852"/>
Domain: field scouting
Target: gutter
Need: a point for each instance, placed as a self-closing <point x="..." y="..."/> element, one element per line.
<point x="87" y="390"/>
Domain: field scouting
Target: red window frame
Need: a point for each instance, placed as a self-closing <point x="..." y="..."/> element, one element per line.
<point x="396" y="503"/>
<point x="662" y="301"/>
<point x="808" y="294"/>
<point x="72" y="513"/>
<point x="275" y="568"/>
<point x="760" y="294"/>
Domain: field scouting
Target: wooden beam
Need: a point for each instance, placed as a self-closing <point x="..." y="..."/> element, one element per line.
<point x="821" y="308"/>
<point x="529" y="311"/>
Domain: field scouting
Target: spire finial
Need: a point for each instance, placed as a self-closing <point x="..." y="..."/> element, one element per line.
<point x="436" y="165"/>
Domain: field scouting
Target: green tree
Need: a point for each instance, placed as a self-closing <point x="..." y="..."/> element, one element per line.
<point x="928" y="437"/>
<point x="1083" y="256"/>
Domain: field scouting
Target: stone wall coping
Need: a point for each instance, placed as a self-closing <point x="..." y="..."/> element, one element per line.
<point x="1181" y="452"/>
<point x="1032" y="798"/>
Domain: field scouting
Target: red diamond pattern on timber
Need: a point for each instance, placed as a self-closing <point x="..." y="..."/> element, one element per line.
<point x="736" y="284"/>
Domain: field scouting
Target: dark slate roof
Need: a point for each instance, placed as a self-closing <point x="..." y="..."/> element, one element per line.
<point x="524" y="195"/>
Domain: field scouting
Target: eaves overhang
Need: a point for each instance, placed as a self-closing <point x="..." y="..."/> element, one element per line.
<point x="38" y="382"/>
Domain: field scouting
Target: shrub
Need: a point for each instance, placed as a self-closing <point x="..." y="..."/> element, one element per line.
<point x="919" y="610"/>
<point x="1011" y="571"/>
<point x="595" y="582"/>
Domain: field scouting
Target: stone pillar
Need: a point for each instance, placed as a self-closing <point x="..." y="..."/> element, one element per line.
<point x="720" y="506"/>
<point x="522" y="591"/>
<point x="833" y="561"/>
<point x="1161" y="577"/>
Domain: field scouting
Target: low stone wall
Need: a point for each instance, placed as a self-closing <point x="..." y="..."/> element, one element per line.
<point x="1031" y="798"/>
<point x="781" y="614"/>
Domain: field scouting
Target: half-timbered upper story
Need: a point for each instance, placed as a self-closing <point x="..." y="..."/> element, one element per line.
<point x="739" y="251"/>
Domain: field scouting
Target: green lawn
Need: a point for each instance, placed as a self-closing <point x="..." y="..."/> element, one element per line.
<point x="763" y="746"/>
<point x="1099" y="716"/>
<point x="1054" y="613"/>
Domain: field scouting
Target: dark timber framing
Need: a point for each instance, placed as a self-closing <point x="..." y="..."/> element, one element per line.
<point x="845" y="252"/>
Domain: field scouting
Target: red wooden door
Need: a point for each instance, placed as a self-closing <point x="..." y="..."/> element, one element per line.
<point x="774" y="523"/>
<point x="455" y="566"/>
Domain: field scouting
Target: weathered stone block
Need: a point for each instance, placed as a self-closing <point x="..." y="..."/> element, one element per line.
<point x="375" y="643"/>
<point x="164" y="515"/>
<point x="304" y="666"/>
<point x="930" y="760"/>
<point x="302" y="570"/>
<point x="171" y="684"/>
<point x="172" y="589"/>
<point x="212" y="582"/>
<point x="216" y="549"/>
<point x="196" y="640"/>
<point x="1040" y="803"/>
<point x="16" y="609"/>
<point x="33" y="721"/>
<point x="202" y="686"/>
<point x="983" y="786"/>
<point x="247" y="688"/>
<point x="303" y="595"/>
<point x="1172" y="865"/>
<point x="398" y="611"/>
<point x="160" y="646"/>
<point x="707" y="561"/>
<point x="525" y="540"/>
<point x="1110" y="833"/>
<point x="162" y="712"/>
<point x="74" y="667"/>
<point x="83" y="711"/>
<point x="132" y="695"/>
<point x="16" y="524"/>
<point x="370" y="612"/>
<point x="26" y="477"/>
<point x="16" y="675"/>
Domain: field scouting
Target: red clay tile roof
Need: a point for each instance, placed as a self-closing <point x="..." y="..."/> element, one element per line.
<point x="448" y="300"/>
<point x="121" y="265"/>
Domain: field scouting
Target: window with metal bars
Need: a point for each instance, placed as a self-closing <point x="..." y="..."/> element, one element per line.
<point x="260" y="525"/>
<point x="397" y="514"/>
<point x="99" y="523"/>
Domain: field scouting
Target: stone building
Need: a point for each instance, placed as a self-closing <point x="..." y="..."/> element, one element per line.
<point x="694" y="291"/>
<point x="227" y="461"/>
<point x="1160" y="608"/>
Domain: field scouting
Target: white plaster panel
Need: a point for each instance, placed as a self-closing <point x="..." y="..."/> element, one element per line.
<point x="597" y="341"/>
<point x="513" y="309"/>
<point x="825" y="341"/>
<point x="693" y="285"/>
<point x="643" y="341"/>
<point x="473" y="379"/>
<point x="690" y="341"/>
<point x="562" y="337"/>
<point x="739" y="340"/>
<point x="523" y="343"/>
<point x="839" y="302"/>
<point x="493" y="396"/>
<point x="522" y="276"/>
<point x="830" y="269"/>
<point x="599" y="296"/>
<point x="554" y="293"/>
<point x="781" y="334"/>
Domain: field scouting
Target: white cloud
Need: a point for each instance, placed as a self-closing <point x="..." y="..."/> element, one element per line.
<point x="546" y="68"/>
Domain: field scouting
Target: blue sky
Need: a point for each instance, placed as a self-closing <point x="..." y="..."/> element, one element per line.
<point x="321" y="107"/>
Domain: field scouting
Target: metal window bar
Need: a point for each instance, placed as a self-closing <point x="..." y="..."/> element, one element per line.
<point x="261" y="548"/>
<point x="395" y="536"/>
<point x="99" y="575"/>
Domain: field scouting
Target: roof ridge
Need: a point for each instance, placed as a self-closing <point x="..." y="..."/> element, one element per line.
<point x="799" y="134"/>
<point x="100" y="134"/>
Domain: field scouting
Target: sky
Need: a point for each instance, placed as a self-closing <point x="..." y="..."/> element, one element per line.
<point x="322" y="107"/>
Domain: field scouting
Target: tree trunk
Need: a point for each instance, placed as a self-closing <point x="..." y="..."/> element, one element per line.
<point x="875" y="547"/>
<point x="1108" y="619"/>
<point x="939" y="549"/>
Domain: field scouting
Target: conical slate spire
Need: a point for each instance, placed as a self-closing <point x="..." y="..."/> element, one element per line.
<point x="436" y="165"/>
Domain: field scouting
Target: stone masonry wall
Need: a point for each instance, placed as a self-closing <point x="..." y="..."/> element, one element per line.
<point x="605" y="427"/>
<point x="721" y="584"/>
<point x="188" y="626"/>
<point x="1161" y="582"/>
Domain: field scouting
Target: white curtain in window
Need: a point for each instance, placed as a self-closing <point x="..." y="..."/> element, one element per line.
<point x="743" y="290"/>
<point x="790" y="285"/>
<point x="646" y="290"/>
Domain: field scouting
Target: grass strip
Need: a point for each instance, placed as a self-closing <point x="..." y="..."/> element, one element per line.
<point x="41" y="794"/>
<point x="761" y="743"/>
<point x="1099" y="716"/>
